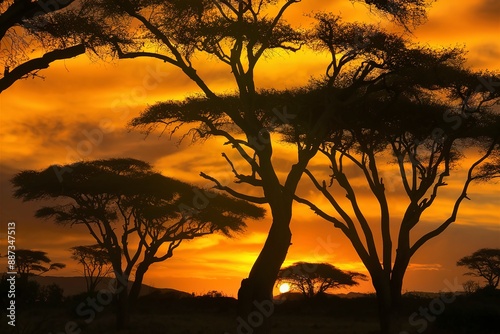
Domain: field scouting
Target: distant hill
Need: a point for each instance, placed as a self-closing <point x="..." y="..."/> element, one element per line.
<point x="165" y="293"/>
<point x="76" y="285"/>
<point x="289" y="296"/>
<point x="423" y="294"/>
<point x="350" y="295"/>
<point x="299" y="296"/>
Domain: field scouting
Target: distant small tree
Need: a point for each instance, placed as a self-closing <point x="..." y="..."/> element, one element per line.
<point x="483" y="263"/>
<point x="214" y="294"/>
<point x="470" y="287"/>
<point x="95" y="262"/>
<point x="313" y="279"/>
<point x="34" y="263"/>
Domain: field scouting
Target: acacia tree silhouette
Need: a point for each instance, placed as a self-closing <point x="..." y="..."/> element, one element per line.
<point x="370" y="70"/>
<point x="119" y="200"/>
<point x="95" y="262"/>
<point x="34" y="263"/>
<point x="422" y="114"/>
<point x="484" y="263"/>
<point x="236" y="33"/>
<point x="313" y="279"/>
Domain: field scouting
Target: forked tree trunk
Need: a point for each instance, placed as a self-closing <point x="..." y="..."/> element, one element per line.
<point x="136" y="286"/>
<point x="389" y="303"/>
<point x="255" y="296"/>
<point x="122" y="310"/>
<point x="121" y="301"/>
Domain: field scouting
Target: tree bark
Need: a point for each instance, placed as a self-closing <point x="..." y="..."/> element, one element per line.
<point x="122" y="307"/>
<point x="137" y="285"/>
<point x="255" y="296"/>
<point x="383" y="291"/>
<point x="389" y="302"/>
<point x="121" y="291"/>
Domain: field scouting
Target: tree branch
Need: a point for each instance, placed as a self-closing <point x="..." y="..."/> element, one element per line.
<point x="350" y="232"/>
<point x="181" y="62"/>
<point x="39" y="63"/>
<point x="351" y="196"/>
<point x="249" y="179"/>
<point x="252" y="199"/>
<point x="130" y="55"/>
<point x="337" y="223"/>
<point x="458" y="202"/>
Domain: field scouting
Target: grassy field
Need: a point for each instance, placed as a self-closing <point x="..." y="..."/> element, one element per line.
<point x="203" y="315"/>
<point x="193" y="323"/>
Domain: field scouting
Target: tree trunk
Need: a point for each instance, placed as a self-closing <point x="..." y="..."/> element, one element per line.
<point x="122" y="308"/>
<point x="396" y="286"/>
<point x="255" y="297"/>
<point x="384" y="308"/>
<point x="121" y="297"/>
<point x="137" y="285"/>
<point x="389" y="303"/>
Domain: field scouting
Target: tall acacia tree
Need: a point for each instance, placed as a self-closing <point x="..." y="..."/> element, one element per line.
<point x="422" y="117"/>
<point x="368" y="67"/>
<point x="236" y="33"/>
<point x="131" y="211"/>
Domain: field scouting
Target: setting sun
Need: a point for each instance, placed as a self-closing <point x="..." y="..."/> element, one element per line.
<point x="284" y="288"/>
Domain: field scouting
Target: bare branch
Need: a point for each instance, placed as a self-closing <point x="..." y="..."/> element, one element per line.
<point x="252" y="199"/>
<point x="337" y="223"/>
<point x="28" y="67"/>
<point x="458" y="202"/>
<point x="249" y="179"/>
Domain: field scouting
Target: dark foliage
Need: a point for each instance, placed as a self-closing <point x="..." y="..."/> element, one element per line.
<point x="484" y="263"/>
<point x="313" y="279"/>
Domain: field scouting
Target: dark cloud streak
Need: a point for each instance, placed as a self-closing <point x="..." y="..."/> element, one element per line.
<point x="488" y="10"/>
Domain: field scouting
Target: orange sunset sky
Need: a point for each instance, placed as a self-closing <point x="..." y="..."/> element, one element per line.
<point x="46" y="121"/>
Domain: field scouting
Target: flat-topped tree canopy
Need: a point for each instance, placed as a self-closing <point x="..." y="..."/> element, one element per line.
<point x="34" y="263"/>
<point x="408" y="13"/>
<point x="96" y="187"/>
<point x="314" y="279"/>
